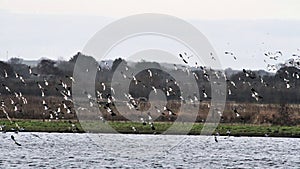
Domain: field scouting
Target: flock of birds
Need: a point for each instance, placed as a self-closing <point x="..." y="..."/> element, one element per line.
<point x="17" y="99"/>
<point x="231" y="84"/>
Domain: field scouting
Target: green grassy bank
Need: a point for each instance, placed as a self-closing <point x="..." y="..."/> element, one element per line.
<point x="160" y="127"/>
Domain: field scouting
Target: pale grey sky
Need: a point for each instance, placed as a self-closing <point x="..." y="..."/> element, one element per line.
<point x="187" y="9"/>
<point x="33" y="29"/>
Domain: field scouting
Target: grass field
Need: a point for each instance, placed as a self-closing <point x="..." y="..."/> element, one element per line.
<point x="126" y="127"/>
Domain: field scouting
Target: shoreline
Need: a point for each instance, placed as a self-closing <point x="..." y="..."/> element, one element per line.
<point x="236" y="130"/>
<point x="80" y="132"/>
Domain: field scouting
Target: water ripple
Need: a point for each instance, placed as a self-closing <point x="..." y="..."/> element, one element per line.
<point x="79" y="151"/>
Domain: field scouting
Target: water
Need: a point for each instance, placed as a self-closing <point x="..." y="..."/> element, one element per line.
<point x="49" y="150"/>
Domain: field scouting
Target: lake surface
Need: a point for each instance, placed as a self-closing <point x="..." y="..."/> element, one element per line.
<point x="60" y="150"/>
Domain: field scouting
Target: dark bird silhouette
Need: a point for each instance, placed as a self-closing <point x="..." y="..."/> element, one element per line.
<point x="13" y="138"/>
<point x="216" y="140"/>
<point x="152" y="126"/>
<point x="228" y="133"/>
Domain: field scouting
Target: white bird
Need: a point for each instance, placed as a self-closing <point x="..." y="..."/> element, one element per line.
<point x="6" y="88"/>
<point x="133" y="128"/>
<point x="150" y="73"/>
<point x="65" y="96"/>
<point x="46" y="82"/>
<point x="72" y="79"/>
<point x="195" y="98"/>
<point x="143" y="121"/>
<point x="236" y="112"/>
<point x="220" y="113"/>
<point x="89" y="96"/>
<point x="2" y="103"/>
<point x="296" y="75"/>
<point x="204" y="93"/>
<point x="124" y="76"/>
<point x="152" y="126"/>
<point x="196" y="76"/>
<point x="64" y="85"/>
<point x="288" y="85"/>
<point x="51" y="116"/>
<point x="175" y="67"/>
<point x="11" y="101"/>
<point x="255" y="95"/>
<point x="109" y="100"/>
<point x="287" y="82"/>
<point x="103" y="86"/>
<point x="113" y="90"/>
<point x="39" y="85"/>
<point x="29" y="69"/>
<point x="22" y="80"/>
<point x="45" y="105"/>
<point x="228" y="133"/>
<point x="99" y="95"/>
<point x="129" y="105"/>
<point x="229" y="92"/>
<point x="135" y="81"/>
<point x="233" y="84"/>
<point x="5" y="74"/>
<point x="154" y="89"/>
<point x="24" y="100"/>
<point x="69" y="110"/>
<point x="65" y="106"/>
<point x="169" y="111"/>
<point x="157" y="109"/>
<point x="149" y="116"/>
<point x="68" y="93"/>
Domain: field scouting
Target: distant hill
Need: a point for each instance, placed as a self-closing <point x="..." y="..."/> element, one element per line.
<point x="31" y="63"/>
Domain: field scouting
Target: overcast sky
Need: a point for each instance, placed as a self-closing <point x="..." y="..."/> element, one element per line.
<point x="32" y="29"/>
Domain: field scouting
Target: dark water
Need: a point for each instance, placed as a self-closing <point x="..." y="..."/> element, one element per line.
<point x="44" y="150"/>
